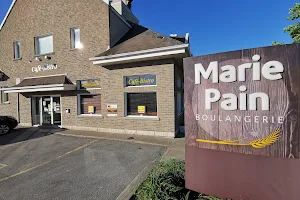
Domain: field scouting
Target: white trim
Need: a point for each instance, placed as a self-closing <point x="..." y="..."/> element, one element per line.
<point x="41" y="88"/>
<point x="181" y="46"/>
<point x="142" y="117"/>
<point x="7" y="14"/>
<point x="90" y="115"/>
<point x="31" y="87"/>
<point x="139" y="57"/>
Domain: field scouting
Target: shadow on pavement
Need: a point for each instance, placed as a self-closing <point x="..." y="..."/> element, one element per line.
<point x="20" y="134"/>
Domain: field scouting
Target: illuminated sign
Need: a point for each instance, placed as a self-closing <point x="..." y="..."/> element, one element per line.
<point x="90" y="83"/>
<point x="142" y="80"/>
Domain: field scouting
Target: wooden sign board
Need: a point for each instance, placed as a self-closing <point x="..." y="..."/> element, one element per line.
<point x="241" y="122"/>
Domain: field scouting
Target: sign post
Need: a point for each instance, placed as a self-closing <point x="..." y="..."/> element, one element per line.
<point x="241" y="122"/>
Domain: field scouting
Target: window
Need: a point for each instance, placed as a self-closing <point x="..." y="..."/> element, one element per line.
<point x="17" y="51"/>
<point x="43" y="45"/>
<point x="75" y="38"/>
<point x="179" y="104"/>
<point x="89" y="104"/>
<point x="141" y="104"/>
<point x="4" y="96"/>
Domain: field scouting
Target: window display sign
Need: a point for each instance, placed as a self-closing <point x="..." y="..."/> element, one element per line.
<point x="241" y="118"/>
<point x="141" y="109"/>
<point x="112" y="110"/>
<point x="91" y="109"/>
<point x="142" y="80"/>
<point x="90" y="83"/>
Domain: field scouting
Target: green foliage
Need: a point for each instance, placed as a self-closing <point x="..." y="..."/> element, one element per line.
<point x="294" y="30"/>
<point x="277" y="43"/>
<point x="167" y="182"/>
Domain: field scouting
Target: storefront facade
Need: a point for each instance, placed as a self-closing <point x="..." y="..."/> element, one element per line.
<point x="51" y="76"/>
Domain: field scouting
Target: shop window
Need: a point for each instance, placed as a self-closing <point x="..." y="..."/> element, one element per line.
<point x="141" y="80"/>
<point x="141" y="104"/>
<point x="17" y="50"/>
<point x="43" y="45"/>
<point x="75" y="38"/>
<point x="89" y="104"/>
<point x="4" y="96"/>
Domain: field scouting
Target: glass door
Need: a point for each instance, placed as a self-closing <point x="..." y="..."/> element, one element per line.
<point x="56" y="117"/>
<point x="46" y="111"/>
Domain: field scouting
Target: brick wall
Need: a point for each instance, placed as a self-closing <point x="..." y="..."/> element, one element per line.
<point x="31" y="18"/>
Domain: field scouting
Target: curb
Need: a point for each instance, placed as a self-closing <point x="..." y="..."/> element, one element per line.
<point x="112" y="139"/>
<point x="129" y="191"/>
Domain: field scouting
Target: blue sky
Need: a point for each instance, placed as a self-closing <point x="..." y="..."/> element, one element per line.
<point x="214" y="25"/>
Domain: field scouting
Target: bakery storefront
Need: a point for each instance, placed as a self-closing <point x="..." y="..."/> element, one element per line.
<point x="101" y="72"/>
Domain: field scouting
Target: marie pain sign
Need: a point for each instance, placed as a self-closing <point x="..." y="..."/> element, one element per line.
<point x="243" y="102"/>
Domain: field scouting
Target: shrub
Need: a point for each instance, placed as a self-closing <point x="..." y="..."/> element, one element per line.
<point x="166" y="182"/>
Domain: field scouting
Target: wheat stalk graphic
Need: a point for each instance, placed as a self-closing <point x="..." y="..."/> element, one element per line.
<point x="258" y="144"/>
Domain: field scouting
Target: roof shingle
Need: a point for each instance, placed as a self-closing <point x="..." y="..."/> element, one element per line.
<point x="140" y="38"/>
<point x="50" y="80"/>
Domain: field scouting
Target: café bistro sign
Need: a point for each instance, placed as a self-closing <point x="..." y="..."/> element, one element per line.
<point x="46" y="67"/>
<point x="141" y="80"/>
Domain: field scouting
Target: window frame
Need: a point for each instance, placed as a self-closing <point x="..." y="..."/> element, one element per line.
<point x="79" y="105"/>
<point x="2" y="97"/>
<point x="17" y="42"/>
<point x="139" y="116"/>
<point x="37" y="48"/>
<point x="73" y="37"/>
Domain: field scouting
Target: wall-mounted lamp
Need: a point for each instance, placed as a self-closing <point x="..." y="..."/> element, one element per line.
<point x="48" y="57"/>
<point x="38" y="59"/>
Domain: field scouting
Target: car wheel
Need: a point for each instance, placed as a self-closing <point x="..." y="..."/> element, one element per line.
<point x="4" y="129"/>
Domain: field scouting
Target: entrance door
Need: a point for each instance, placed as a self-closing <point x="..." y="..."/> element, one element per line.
<point x="46" y="111"/>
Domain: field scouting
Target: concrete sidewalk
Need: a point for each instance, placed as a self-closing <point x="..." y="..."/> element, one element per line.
<point x="175" y="145"/>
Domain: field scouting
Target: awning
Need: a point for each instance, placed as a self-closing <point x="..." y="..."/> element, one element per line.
<point x="42" y="84"/>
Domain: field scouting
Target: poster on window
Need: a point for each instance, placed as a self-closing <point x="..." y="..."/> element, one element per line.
<point x="112" y="110"/>
<point x="91" y="109"/>
<point x="141" y="109"/>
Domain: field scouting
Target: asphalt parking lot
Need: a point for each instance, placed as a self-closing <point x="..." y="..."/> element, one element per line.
<point x="62" y="167"/>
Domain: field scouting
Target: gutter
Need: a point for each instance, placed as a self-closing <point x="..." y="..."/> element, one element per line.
<point x="149" y="53"/>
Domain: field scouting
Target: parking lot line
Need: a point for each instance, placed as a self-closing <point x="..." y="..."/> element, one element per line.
<point x="2" y="166"/>
<point x="47" y="162"/>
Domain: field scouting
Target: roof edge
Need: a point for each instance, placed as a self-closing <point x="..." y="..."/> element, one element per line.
<point x="142" y="55"/>
<point x="7" y="14"/>
<point x="140" y="52"/>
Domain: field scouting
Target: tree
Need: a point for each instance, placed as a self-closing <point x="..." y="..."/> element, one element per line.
<point x="277" y="43"/>
<point x="294" y="30"/>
